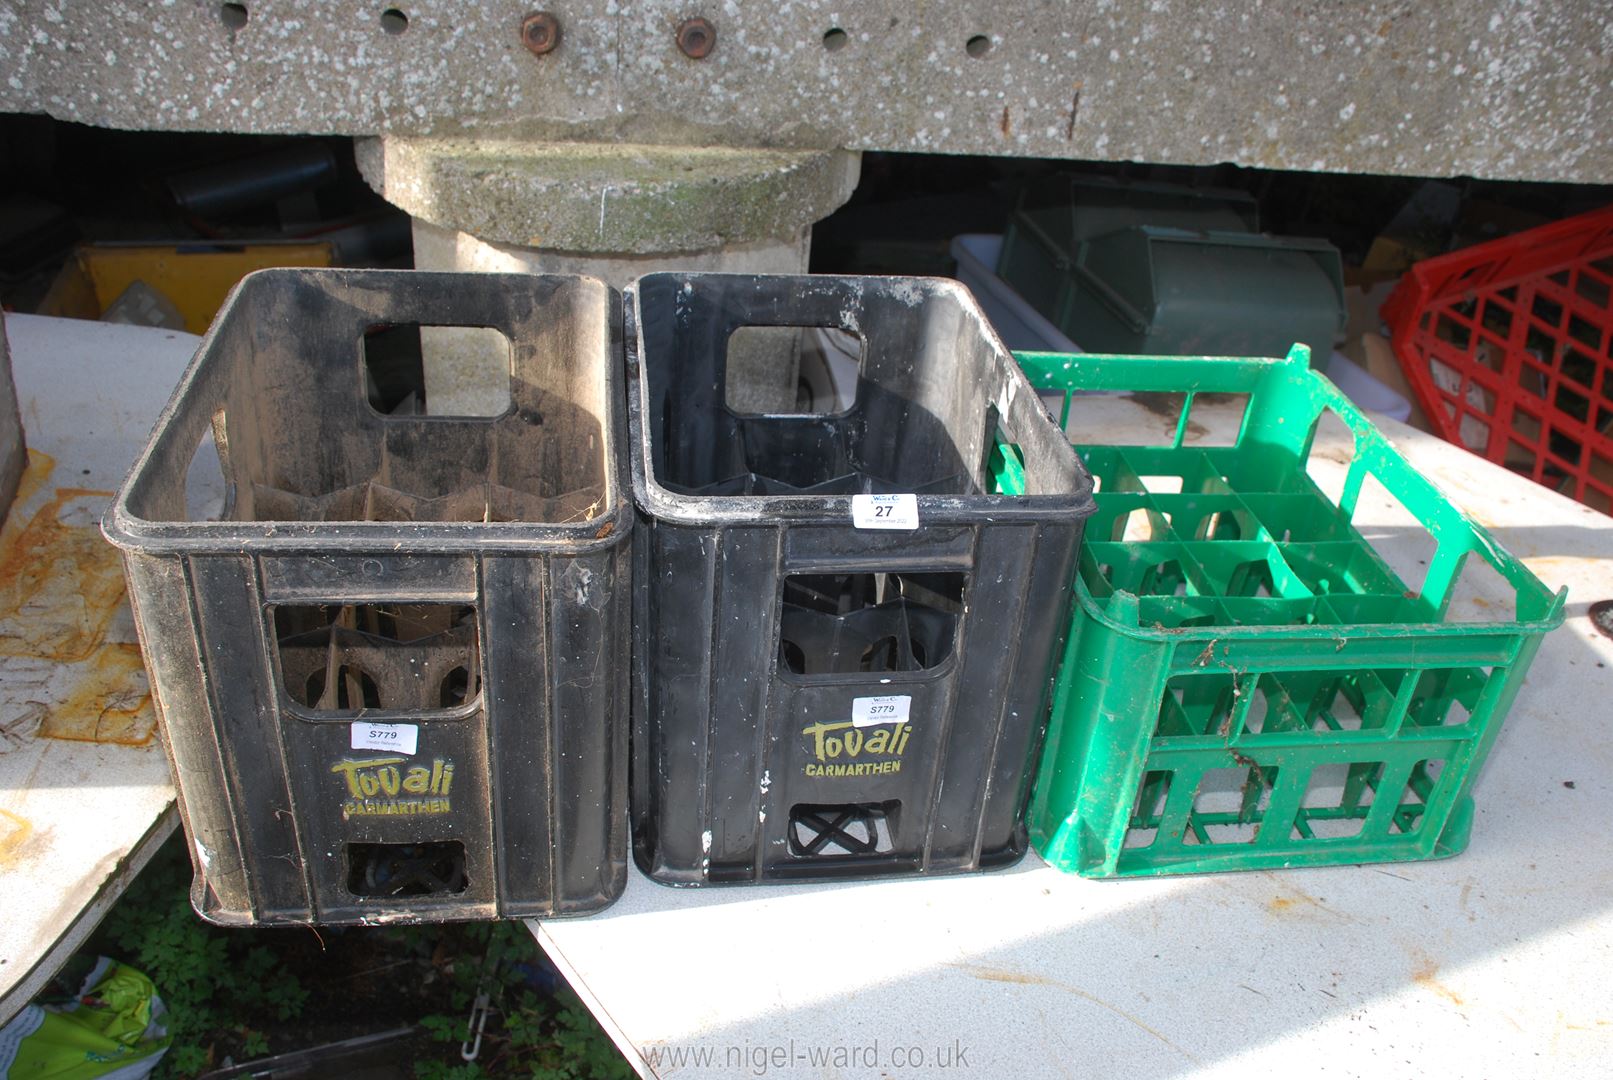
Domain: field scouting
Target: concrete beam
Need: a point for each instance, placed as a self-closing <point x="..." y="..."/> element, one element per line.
<point x="1491" y="88"/>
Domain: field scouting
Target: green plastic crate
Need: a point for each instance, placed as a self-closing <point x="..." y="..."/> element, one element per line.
<point x="1248" y="683"/>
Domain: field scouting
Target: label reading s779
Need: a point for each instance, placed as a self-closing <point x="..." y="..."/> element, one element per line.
<point x="398" y="738"/>
<point x="892" y="709"/>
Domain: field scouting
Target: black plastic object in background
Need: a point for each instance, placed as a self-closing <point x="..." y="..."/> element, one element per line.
<point x="242" y="183"/>
<point x="462" y="580"/>
<point x="765" y="620"/>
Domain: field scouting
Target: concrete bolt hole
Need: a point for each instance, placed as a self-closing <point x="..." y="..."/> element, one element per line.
<point x="233" y="16"/>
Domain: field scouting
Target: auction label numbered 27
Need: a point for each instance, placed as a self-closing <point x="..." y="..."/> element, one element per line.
<point x="885" y="511"/>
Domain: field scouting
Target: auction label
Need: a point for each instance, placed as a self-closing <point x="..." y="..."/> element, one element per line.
<point x="885" y="511"/>
<point x="397" y="738"/>
<point x="868" y="711"/>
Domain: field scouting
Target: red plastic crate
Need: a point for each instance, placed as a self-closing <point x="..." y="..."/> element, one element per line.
<point x="1507" y="347"/>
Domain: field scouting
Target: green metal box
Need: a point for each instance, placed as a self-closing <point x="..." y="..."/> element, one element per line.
<point x="1164" y="270"/>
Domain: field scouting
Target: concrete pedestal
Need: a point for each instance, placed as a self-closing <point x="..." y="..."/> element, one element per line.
<point x="613" y="211"/>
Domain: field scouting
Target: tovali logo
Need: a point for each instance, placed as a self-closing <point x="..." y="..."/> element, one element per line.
<point x="377" y="787"/>
<point x="844" y="740"/>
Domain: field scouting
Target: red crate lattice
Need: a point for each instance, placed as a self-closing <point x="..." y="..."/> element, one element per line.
<point x="1506" y="346"/>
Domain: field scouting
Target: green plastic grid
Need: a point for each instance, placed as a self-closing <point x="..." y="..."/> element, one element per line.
<point x="1249" y="683"/>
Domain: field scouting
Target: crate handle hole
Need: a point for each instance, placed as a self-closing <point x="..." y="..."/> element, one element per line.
<point x="865" y="623"/>
<point x="425" y="370"/>
<point x="409" y="657"/>
<point x="434" y="868"/>
<point x="844" y="829"/>
<point x="826" y="362"/>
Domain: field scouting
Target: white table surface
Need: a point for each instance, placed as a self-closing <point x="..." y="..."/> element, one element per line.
<point x="1497" y="963"/>
<point x="85" y="794"/>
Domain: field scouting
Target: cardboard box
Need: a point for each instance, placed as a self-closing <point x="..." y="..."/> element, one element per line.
<point x="1372" y="352"/>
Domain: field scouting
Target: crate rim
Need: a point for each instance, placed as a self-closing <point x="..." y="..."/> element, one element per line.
<point x="665" y="505"/>
<point x="1424" y="281"/>
<point x="133" y="533"/>
<point x="1332" y="632"/>
<point x="141" y="536"/>
<point x="1298" y="361"/>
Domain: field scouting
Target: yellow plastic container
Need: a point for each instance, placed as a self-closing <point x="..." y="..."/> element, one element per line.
<point x="195" y="277"/>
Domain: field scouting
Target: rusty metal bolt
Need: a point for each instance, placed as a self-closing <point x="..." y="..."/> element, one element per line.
<point x="540" y="32"/>
<point x="696" y="38"/>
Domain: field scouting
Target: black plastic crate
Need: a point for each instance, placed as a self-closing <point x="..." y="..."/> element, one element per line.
<point x="814" y="698"/>
<point x="458" y="581"/>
